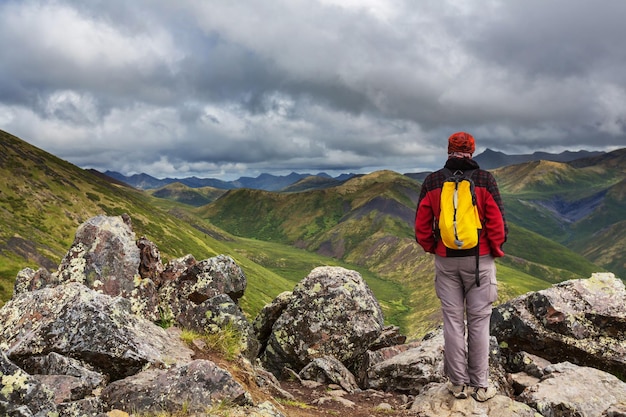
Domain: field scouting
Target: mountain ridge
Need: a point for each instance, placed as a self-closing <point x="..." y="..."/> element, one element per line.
<point x="364" y="223"/>
<point x="489" y="159"/>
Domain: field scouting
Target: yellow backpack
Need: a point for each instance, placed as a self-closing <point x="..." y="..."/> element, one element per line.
<point x="459" y="222"/>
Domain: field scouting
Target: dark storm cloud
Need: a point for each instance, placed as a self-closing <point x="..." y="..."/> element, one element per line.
<point x="178" y="88"/>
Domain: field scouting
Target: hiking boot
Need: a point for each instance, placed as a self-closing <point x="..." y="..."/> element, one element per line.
<point x="483" y="394"/>
<point x="458" y="391"/>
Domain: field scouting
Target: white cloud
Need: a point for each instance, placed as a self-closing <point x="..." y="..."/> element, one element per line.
<point x="206" y="87"/>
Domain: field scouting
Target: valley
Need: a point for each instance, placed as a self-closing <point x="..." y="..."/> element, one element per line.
<point x="565" y="220"/>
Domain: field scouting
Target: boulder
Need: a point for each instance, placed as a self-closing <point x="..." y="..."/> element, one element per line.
<point x="194" y="386"/>
<point x="570" y="390"/>
<point x="105" y="257"/>
<point x="268" y="315"/>
<point x="69" y="378"/>
<point x="435" y="400"/>
<point x="186" y="288"/>
<point x="410" y="370"/>
<point x="580" y="321"/>
<point x="75" y="321"/>
<point x="21" y="394"/>
<point x="175" y="268"/>
<point x="329" y="370"/>
<point x="373" y="357"/>
<point x="332" y="312"/>
<point x="30" y="280"/>
<point x="220" y="313"/>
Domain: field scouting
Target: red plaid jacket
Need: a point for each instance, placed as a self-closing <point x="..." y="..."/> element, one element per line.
<point x="490" y="209"/>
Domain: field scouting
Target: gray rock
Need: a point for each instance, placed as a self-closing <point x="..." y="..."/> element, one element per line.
<point x="77" y="322"/>
<point x="194" y="386"/>
<point x="30" y="280"/>
<point x="199" y="282"/>
<point x="580" y="321"/>
<point x="371" y="358"/>
<point x="332" y="312"/>
<point x="21" y="394"/>
<point x="220" y="313"/>
<point x="330" y="370"/>
<point x="80" y="379"/>
<point x="570" y="390"/>
<point x="410" y="370"/>
<point x="264" y="321"/>
<point x="91" y="406"/>
<point x="436" y="401"/>
<point x="104" y="256"/>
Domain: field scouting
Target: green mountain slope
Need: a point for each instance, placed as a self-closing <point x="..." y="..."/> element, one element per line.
<point x="365" y="224"/>
<point x="186" y="195"/>
<point x="368" y="221"/>
<point x="579" y="204"/>
<point x="43" y="200"/>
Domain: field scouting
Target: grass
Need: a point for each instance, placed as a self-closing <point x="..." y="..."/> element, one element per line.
<point x="226" y="342"/>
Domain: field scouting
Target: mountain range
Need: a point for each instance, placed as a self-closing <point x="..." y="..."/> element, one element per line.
<point x="489" y="159"/>
<point x="565" y="219"/>
<point x="264" y="181"/>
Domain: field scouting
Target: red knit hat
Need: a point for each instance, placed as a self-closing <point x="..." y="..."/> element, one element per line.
<point x="461" y="142"/>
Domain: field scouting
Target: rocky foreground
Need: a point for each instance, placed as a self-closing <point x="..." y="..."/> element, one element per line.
<point x="101" y="336"/>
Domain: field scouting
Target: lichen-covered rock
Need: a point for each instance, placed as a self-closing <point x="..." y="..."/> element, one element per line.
<point x="268" y="315"/>
<point x="332" y="312"/>
<point x="217" y="314"/>
<point x="30" y="280"/>
<point x="91" y="406"/>
<point x="570" y="390"/>
<point x="105" y="256"/>
<point x="580" y="321"/>
<point x="373" y="357"/>
<point x="201" y="281"/>
<point x="330" y="371"/>
<point x="175" y="268"/>
<point x="435" y="400"/>
<point x="21" y="394"/>
<point x="84" y="381"/>
<point x="411" y="369"/>
<point x="78" y="322"/>
<point x="195" y="386"/>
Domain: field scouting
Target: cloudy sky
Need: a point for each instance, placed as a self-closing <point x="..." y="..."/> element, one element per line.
<point x="223" y="88"/>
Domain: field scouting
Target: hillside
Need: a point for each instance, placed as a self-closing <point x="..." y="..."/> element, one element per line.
<point x="363" y="223"/>
<point x="184" y="194"/>
<point x="580" y="204"/>
<point x="368" y="221"/>
<point x="44" y="199"/>
<point x="491" y="159"/>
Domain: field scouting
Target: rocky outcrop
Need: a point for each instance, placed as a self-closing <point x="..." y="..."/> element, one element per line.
<point x="193" y="386"/>
<point x="567" y="389"/>
<point x="77" y="322"/>
<point x="330" y="312"/>
<point x="580" y="321"/>
<point x="84" y="340"/>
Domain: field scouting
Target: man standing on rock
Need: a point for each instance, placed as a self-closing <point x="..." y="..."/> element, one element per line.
<point x="465" y="280"/>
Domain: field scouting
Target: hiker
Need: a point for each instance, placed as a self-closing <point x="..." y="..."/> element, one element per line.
<point x="465" y="279"/>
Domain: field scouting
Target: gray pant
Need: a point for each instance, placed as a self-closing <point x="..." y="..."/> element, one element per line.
<point x="466" y="361"/>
